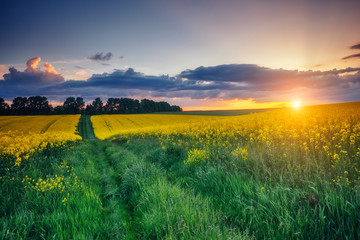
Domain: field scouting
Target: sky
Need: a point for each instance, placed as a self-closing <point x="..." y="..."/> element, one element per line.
<point x="201" y="55"/>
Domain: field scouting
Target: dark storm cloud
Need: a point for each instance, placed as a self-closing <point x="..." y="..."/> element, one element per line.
<point x="101" y="56"/>
<point x="352" y="56"/>
<point x="242" y="81"/>
<point x="357" y="46"/>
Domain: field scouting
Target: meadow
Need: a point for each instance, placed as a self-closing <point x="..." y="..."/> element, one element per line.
<point x="282" y="174"/>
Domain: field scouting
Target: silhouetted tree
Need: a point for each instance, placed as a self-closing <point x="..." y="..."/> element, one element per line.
<point x="38" y="105"/>
<point x="80" y="104"/>
<point x="73" y="106"/>
<point x="163" y="107"/>
<point x="19" y="105"/>
<point x="147" y="106"/>
<point x="4" y="107"/>
<point x="110" y="106"/>
<point x="95" y="108"/>
<point x="175" y="108"/>
<point x="98" y="106"/>
<point x="59" y="110"/>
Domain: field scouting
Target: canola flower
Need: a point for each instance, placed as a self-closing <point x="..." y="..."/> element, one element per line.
<point x="240" y="152"/>
<point x="106" y="126"/>
<point x="328" y="134"/>
<point x="58" y="184"/>
<point x="195" y="156"/>
<point x="21" y="137"/>
<point x="55" y="184"/>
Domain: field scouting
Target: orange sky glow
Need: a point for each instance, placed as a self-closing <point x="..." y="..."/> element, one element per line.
<point x="235" y="104"/>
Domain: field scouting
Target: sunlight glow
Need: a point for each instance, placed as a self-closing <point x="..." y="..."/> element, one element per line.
<point x="297" y="104"/>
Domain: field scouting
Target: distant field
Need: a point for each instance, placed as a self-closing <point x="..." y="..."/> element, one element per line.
<point x="106" y="126"/>
<point x="220" y="112"/>
<point x="21" y="136"/>
<point x="39" y="124"/>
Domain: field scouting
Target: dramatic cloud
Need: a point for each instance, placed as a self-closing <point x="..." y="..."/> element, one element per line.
<point x="32" y="76"/>
<point x="32" y="64"/>
<point x="236" y="81"/>
<point x="3" y="69"/>
<point x="49" y="68"/>
<point x="357" y="46"/>
<point x="352" y="56"/>
<point x="255" y="78"/>
<point x="241" y="81"/>
<point x="101" y="56"/>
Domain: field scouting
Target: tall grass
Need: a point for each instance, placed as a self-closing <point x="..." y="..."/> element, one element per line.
<point x="76" y="213"/>
<point x="266" y="202"/>
<point x="163" y="210"/>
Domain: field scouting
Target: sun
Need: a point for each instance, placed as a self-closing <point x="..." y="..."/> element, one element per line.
<point x="297" y="104"/>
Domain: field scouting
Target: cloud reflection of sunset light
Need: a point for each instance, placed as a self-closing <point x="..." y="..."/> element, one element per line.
<point x="232" y="104"/>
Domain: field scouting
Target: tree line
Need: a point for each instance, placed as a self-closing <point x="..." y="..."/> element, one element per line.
<point x="37" y="105"/>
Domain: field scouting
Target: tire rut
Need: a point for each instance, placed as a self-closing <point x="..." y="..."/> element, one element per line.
<point x="85" y="128"/>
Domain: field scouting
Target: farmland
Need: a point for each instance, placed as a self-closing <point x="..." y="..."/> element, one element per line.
<point x="106" y="126"/>
<point x="22" y="136"/>
<point x="282" y="174"/>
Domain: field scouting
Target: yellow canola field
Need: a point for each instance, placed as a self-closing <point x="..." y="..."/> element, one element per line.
<point x="326" y="135"/>
<point x="21" y="136"/>
<point x="106" y="126"/>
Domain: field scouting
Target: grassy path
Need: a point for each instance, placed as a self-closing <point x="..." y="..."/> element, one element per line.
<point x="85" y="128"/>
<point x="101" y="172"/>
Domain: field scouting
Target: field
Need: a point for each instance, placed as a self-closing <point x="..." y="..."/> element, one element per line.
<point x="282" y="174"/>
<point x="106" y="126"/>
<point x="22" y="136"/>
<point x="219" y="112"/>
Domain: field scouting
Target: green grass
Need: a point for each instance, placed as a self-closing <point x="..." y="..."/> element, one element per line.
<point x="85" y="128"/>
<point x="88" y="213"/>
<point x="261" y="205"/>
<point x="139" y="189"/>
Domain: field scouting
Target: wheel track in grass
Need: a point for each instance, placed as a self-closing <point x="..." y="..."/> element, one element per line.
<point x="109" y="169"/>
<point x="106" y="167"/>
<point x="47" y="126"/>
<point x="85" y="128"/>
<point x="107" y="178"/>
<point x="110" y="163"/>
